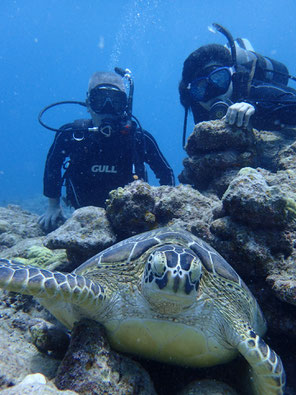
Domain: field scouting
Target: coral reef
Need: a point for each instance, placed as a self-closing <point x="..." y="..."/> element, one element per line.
<point x="48" y="337"/>
<point x="18" y="356"/>
<point x="139" y="207"/>
<point x="251" y="200"/>
<point x="240" y="196"/>
<point x="17" y="224"/>
<point x="217" y="151"/>
<point x="90" y="366"/>
<point x="135" y="204"/>
<point x="83" y="235"/>
<point x="33" y="252"/>
<point x="35" y="384"/>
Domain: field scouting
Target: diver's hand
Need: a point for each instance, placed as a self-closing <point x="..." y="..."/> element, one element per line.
<point x="53" y="216"/>
<point x="239" y="114"/>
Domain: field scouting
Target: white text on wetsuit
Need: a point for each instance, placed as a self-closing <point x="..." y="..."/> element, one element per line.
<point x="103" y="169"/>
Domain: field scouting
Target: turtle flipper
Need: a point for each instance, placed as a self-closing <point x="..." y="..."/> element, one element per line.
<point x="46" y="284"/>
<point x="267" y="375"/>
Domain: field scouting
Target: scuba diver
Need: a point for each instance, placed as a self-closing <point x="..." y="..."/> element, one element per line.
<point x="249" y="89"/>
<point x="102" y="153"/>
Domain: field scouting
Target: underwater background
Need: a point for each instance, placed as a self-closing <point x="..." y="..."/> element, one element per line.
<point x="50" y="48"/>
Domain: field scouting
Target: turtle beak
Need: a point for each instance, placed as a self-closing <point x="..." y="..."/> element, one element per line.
<point x="177" y="281"/>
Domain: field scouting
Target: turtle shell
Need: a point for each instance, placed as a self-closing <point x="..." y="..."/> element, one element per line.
<point x="132" y="248"/>
<point x="125" y="251"/>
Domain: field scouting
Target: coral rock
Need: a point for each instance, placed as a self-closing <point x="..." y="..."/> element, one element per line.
<point x="90" y="366"/>
<point x="249" y="199"/>
<point x="83" y="235"/>
<point x="17" y="224"/>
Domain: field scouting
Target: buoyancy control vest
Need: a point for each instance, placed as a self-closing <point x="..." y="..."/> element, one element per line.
<point x="266" y="69"/>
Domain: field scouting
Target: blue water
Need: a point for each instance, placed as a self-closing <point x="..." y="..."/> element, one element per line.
<point x="50" y="48"/>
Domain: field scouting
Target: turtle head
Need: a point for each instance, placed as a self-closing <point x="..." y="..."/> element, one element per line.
<point x="171" y="278"/>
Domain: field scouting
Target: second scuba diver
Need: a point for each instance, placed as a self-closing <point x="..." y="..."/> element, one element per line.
<point x="236" y="82"/>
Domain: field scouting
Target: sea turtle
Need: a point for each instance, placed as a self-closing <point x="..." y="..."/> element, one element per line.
<point x="165" y="295"/>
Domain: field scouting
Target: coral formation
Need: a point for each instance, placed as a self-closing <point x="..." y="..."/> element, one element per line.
<point x="83" y="235"/>
<point x="238" y="194"/>
<point x="17" y="224"/>
<point x="139" y="207"/>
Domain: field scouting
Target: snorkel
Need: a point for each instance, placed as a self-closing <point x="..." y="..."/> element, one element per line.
<point x="129" y="116"/>
<point x="241" y="78"/>
<point x="216" y="27"/>
<point x="126" y="73"/>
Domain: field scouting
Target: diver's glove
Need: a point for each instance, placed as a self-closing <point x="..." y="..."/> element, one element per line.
<point x="239" y="114"/>
<point x="53" y="216"/>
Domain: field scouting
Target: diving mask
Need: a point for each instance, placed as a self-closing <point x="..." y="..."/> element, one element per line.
<point x="202" y="89"/>
<point x="107" y="99"/>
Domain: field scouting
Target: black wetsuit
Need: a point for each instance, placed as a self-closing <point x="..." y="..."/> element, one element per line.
<point x="96" y="164"/>
<point x="275" y="106"/>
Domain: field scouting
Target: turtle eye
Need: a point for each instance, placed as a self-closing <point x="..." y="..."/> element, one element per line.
<point x="195" y="270"/>
<point x="158" y="263"/>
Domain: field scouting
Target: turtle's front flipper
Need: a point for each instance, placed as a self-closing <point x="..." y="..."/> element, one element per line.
<point x="45" y="284"/>
<point x="267" y="375"/>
